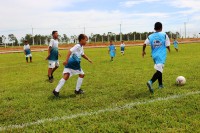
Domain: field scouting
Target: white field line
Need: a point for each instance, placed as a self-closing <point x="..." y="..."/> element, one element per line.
<point x="85" y="114"/>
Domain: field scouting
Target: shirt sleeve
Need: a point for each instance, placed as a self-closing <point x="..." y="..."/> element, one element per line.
<point x="24" y="47"/>
<point x="167" y="43"/>
<point x="73" y="49"/>
<point x="82" y="52"/>
<point x="147" y="42"/>
<point x="51" y="43"/>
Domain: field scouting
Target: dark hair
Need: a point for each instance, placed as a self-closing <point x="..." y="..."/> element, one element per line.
<point x="158" y="26"/>
<point x="81" y="36"/>
<point x="53" y="32"/>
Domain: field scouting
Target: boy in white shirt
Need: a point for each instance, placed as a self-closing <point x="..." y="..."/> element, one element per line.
<point x="27" y="51"/>
<point x="122" y="46"/>
<point x="72" y="66"/>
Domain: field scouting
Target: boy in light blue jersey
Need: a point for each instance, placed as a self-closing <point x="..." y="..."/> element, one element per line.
<point x="73" y="67"/>
<point x="53" y="55"/>
<point x="175" y="44"/>
<point x="158" y="41"/>
<point x="112" y="50"/>
<point x="27" y="51"/>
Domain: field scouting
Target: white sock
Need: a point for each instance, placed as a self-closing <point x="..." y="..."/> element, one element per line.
<point x="79" y="83"/>
<point x="60" y="85"/>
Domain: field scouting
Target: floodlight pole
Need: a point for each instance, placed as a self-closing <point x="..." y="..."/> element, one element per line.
<point x="33" y="37"/>
<point x="185" y="29"/>
<point x="120" y="32"/>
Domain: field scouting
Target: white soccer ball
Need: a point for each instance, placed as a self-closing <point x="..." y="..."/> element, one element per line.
<point x="180" y="80"/>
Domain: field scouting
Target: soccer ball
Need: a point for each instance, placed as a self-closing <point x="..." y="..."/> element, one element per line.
<point x="180" y="80"/>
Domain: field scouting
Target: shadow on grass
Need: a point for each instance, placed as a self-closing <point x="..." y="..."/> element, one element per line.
<point x="63" y="97"/>
<point x="135" y="95"/>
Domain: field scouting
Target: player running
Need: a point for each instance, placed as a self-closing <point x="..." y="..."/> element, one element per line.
<point x="175" y="44"/>
<point x="112" y="50"/>
<point x="53" y="55"/>
<point x="122" y="46"/>
<point x="73" y="67"/>
<point x="27" y="51"/>
<point x="158" y="41"/>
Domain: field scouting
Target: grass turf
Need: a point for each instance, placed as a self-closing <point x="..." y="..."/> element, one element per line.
<point x="26" y="96"/>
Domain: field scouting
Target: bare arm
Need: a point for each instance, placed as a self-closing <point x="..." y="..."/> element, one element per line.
<point x="143" y="50"/>
<point x="168" y="48"/>
<point x="85" y="57"/>
<point x="49" y="50"/>
<point x="67" y="58"/>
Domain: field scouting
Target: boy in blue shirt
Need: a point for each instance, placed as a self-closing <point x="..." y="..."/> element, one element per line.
<point x="72" y="66"/>
<point x="175" y="44"/>
<point x="158" y="41"/>
<point x="112" y="50"/>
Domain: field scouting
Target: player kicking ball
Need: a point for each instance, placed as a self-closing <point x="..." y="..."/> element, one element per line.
<point x="112" y="50"/>
<point x="27" y="51"/>
<point x="158" y="41"/>
<point x="73" y="67"/>
<point x="53" y="55"/>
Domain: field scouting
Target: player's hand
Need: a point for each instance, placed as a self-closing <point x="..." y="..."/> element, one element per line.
<point x="65" y="63"/>
<point x="90" y="61"/>
<point x="59" y="55"/>
<point x="47" y="58"/>
<point x="143" y="53"/>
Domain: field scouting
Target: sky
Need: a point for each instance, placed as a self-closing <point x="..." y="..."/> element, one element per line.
<point x="73" y="17"/>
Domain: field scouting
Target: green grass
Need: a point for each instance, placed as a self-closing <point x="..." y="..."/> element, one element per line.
<point x="26" y="96"/>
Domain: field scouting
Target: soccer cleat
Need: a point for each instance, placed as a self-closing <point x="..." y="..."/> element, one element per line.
<point x="149" y="84"/>
<point x="79" y="92"/>
<point x="51" y="79"/>
<point x="160" y="87"/>
<point x="56" y="93"/>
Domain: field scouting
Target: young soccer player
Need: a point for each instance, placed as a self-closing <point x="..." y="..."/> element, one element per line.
<point x="27" y="51"/>
<point x="72" y="66"/>
<point x="53" y="55"/>
<point x="158" y="41"/>
<point x="122" y="46"/>
<point x="112" y="50"/>
<point x="175" y="44"/>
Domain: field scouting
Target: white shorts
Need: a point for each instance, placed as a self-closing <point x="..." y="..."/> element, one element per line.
<point x="159" y="67"/>
<point x="29" y="55"/>
<point x="53" y="64"/>
<point x="72" y="72"/>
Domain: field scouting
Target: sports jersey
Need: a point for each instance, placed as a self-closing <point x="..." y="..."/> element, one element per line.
<point x="75" y="58"/>
<point x="54" y="50"/>
<point x="158" y="41"/>
<point x="27" y="49"/>
<point x="112" y="50"/>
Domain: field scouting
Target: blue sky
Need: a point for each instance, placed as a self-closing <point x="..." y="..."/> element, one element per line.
<point x="71" y="16"/>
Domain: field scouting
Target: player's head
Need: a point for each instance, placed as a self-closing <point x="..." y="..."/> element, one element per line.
<point x="174" y="38"/>
<point x="122" y="41"/>
<point x="111" y="42"/>
<point x="82" y="38"/>
<point x="158" y="26"/>
<point x="25" y="42"/>
<point x="55" y="34"/>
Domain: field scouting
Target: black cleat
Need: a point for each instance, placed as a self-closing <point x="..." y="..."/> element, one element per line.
<point x="56" y="93"/>
<point x="79" y="92"/>
<point x="51" y="79"/>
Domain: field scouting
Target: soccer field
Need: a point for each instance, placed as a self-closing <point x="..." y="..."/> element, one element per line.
<point x="116" y="97"/>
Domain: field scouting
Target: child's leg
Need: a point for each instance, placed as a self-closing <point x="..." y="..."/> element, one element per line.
<point x="53" y="70"/>
<point x="155" y="76"/>
<point x="79" y="81"/>
<point x="30" y="58"/>
<point x="160" y="79"/>
<point x="27" y="59"/>
<point x="62" y="82"/>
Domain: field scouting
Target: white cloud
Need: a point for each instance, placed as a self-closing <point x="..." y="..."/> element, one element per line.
<point x="131" y="3"/>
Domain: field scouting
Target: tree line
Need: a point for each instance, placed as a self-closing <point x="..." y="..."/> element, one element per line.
<point x="64" y="39"/>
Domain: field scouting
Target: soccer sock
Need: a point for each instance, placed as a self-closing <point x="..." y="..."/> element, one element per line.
<point x="160" y="79"/>
<point x="26" y="59"/>
<point x="155" y="77"/>
<point x="60" y="85"/>
<point x="79" y="83"/>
